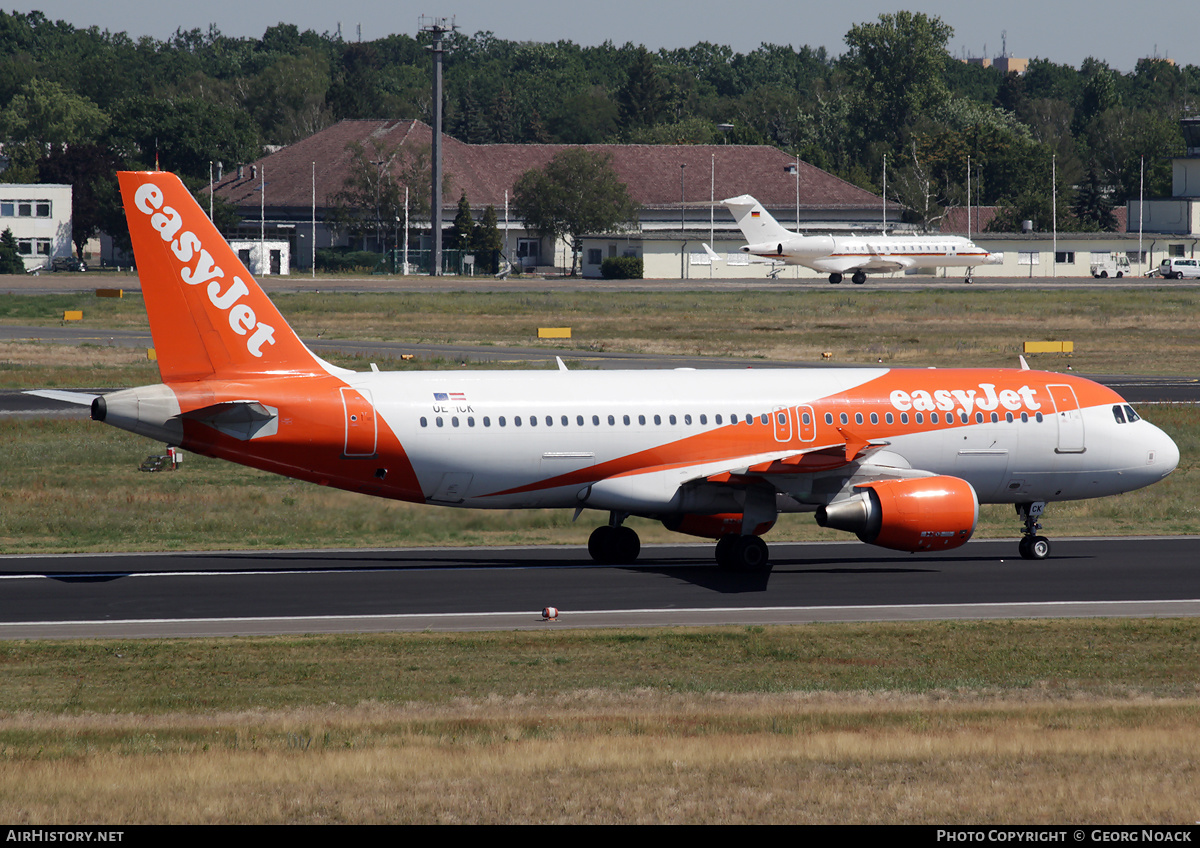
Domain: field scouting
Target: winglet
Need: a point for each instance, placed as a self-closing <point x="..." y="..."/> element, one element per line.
<point x="1024" y="364"/>
<point x="207" y="314"/>
<point x="712" y="254"/>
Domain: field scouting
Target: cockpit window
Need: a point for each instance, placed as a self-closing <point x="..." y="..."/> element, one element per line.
<point x="1119" y="414"/>
<point x="1130" y="414"/>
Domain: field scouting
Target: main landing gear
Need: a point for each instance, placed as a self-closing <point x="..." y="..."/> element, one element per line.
<point x="745" y="554"/>
<point x="1032" y="546"/>
<point x="614" y="543"/>
<point x="835" y="278"/>
<point x="859" y="278"/>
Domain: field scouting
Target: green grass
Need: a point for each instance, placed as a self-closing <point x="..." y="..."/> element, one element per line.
<point x="1157" y="658"/>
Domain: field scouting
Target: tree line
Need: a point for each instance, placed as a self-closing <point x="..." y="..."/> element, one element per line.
<point x="82" y="102"/>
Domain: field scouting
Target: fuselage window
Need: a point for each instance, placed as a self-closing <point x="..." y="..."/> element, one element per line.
<point x="658" y="420"/>
<point x="502" y="421"/>
<point x="962" y="416"/>
<point x="765" y="418"/>
<point x="487" y="422"/>
<point x="995" y="417"/>
<point x="1024" y="417"/>
<point x="1038" y="415"/>
<point x="671" y="419"/>
<point x="889" y="418"/>
<point x="549" y="420"/>
<point x="703" y="420"/>
<point x="844" y="418"/>
<point x="920" y="417"/>
<point x="1130" y="415"/>
<point x="933" y="418"/>
<point x="470" y="421"/>
<point x="532" y="420"/>
<point x="425" y="421"/>
<point x="625" y="418"/>
<point x="717" y="418"/>
<point x="687" y="419"/>
<point x="595" y="420"/>
<point x="903" y="417"/>
<point x="516" y="420"/>
<point x="579" y="420"/>
<point x="1008" y="417"/>
<point x="805" y="418"/>
<point x="874" y="417"/>
<point x="565" y="421"/>
<point x="1117" y="414"/>
<point x="828" y="417"/>
<point x="642" y="419"/>
<point x="611" y="420"/>
<point x="858" y="419"/>
<point x="439" y="421"/>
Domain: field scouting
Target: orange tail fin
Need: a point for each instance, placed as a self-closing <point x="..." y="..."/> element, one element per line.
<point x="208" y="316"/>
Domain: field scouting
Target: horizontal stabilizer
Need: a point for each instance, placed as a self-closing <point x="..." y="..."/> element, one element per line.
<point x="78" y="398"/>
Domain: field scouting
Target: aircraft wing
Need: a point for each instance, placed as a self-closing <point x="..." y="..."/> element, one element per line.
<point x="662" y="488"/>
<point x="850" y="264"/>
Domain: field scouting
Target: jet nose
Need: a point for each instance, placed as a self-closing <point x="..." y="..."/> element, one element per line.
<point x="1164" y="453"/>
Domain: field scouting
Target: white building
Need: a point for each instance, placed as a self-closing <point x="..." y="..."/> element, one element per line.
<point x="40" y="219"/>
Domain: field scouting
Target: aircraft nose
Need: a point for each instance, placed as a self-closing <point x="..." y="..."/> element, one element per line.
<point x="1166" y="453"/>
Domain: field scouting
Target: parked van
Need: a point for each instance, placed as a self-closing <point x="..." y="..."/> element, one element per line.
<point x="1176" y="267"/>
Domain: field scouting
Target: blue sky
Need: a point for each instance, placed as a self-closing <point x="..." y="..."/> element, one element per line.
<point x="1064" y="31"/>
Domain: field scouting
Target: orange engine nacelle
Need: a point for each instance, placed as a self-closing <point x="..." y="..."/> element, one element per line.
<point x="712" y="526"/>
<point x="923" y="514"/>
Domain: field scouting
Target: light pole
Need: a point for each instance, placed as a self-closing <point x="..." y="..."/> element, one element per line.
<point x="682" y="237"/>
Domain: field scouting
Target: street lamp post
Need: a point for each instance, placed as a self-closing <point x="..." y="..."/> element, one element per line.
<point x="682" y="237"/>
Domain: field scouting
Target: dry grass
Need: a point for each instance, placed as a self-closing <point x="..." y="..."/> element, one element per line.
<point x="639" y="758"/>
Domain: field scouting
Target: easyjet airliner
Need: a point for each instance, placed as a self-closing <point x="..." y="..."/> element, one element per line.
<point x="901" y="458"/>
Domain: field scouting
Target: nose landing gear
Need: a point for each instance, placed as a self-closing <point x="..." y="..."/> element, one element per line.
<point x="1032" y="546"/>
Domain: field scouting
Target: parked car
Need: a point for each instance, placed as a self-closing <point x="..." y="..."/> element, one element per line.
<point x="1176" y="267"/>
<point x="68" y="263"/>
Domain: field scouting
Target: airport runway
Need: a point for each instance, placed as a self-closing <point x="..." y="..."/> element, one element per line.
<point x="132" y="595"/>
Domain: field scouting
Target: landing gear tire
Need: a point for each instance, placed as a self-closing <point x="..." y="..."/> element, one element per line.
<point x="609" y="545"/>
<point x="859" y="278"/>
<point x="743" y="554"/>
<point x="1034" y="547"/>
<point x="835" y="278"/>
<point x="724" y="553"/>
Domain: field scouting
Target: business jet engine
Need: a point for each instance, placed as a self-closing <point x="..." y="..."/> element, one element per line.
<point x="922" y="514"/>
